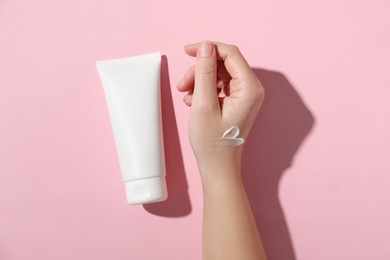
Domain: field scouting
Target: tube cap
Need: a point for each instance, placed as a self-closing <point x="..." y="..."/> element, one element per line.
<point x="146" y="190"/>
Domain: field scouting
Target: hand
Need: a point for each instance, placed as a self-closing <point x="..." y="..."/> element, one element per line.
<point x="222" y="91"/>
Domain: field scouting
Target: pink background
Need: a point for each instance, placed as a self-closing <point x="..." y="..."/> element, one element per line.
<point x="316" y="165"/>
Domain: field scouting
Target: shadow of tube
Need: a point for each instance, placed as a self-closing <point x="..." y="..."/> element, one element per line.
<point x="178" y="203"/>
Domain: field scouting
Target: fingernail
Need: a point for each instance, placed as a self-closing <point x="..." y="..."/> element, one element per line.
<point x="206" y="50"/>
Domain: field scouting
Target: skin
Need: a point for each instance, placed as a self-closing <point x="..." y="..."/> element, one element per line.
<point x="222" y="91"/>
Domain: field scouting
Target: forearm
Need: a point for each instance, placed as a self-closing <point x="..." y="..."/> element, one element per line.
<point x="229" y="228"/>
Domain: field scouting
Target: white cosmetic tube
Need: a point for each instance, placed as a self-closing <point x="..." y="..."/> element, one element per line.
<point x="132" y="88"/>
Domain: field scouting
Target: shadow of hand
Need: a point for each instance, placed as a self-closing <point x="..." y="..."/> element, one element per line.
<point x="282" y="125"/>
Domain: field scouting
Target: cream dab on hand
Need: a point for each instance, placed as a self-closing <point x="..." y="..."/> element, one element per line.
<point x="230" y="137"/>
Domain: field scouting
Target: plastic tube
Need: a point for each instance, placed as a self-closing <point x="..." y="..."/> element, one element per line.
<point x="132" y="89"/>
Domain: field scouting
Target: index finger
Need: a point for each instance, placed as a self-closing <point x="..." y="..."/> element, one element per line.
<point x="235" y="63"/>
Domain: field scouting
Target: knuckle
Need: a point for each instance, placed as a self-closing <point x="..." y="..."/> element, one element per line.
<point x="260" y="91"/>
<point x="257" y="93"/>
<point x="206" y="68"/>
<point x="234" y="49"/>
<point x="204" y="106"/>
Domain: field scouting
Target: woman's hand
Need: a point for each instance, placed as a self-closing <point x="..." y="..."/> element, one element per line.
<point x="222" y="91"/>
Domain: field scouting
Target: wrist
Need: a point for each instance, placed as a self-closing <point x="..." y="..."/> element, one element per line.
<point x="216" y="169"/>
<point x="222" y="181"/>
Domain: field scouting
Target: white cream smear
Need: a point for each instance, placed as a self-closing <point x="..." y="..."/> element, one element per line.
<point x="230" y="137"/>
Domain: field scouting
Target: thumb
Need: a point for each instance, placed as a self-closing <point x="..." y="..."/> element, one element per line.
<point x="205" y="90"/>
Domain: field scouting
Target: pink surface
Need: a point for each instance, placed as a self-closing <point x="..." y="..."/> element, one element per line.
<point x="316" y="167"/>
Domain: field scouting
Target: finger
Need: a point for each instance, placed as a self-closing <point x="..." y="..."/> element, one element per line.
<point x="187" y="99"/>
<point x="235" y="63"/>
<point x="188" y="80"/>
<point x="220" y="85"/>
<point x="205" y="91"/>
<point x="191" y="49"/>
